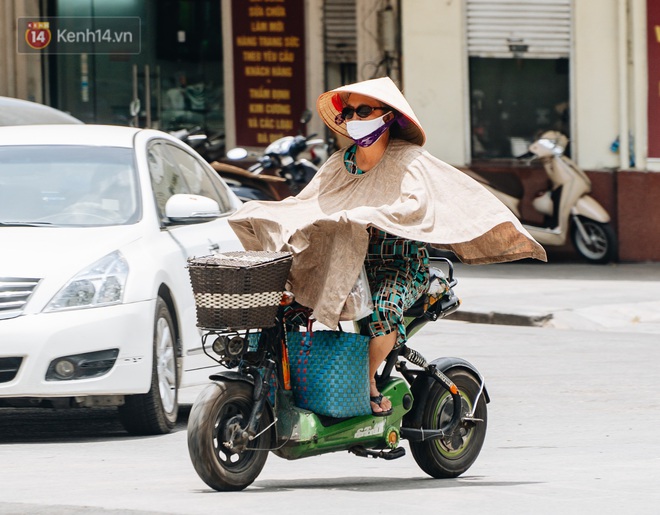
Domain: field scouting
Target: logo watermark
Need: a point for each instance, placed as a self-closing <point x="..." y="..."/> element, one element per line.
<point x="79" y="35"/>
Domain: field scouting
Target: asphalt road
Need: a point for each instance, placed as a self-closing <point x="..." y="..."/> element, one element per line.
<point x="572" y="429"/>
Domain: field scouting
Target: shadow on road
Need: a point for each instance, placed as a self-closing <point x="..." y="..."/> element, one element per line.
<point x="45" y="425"/>
<point x="377" y="484"/>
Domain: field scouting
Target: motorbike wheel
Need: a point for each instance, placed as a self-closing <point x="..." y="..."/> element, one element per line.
<point x="221" y="410"/>
<point x="601" y="246"/>
<point x="450" y="457"/>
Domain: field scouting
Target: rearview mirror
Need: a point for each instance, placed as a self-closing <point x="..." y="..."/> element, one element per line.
<point x="306" y="116"/>
<point x="188" y="208"/>
<point x="237" y="153"/>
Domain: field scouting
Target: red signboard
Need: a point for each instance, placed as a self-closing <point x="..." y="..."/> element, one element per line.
<point x="269" y="69"/>
<point x="653" y="31"/>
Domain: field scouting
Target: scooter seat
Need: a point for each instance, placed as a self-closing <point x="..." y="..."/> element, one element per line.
<point x="417" y="309"/>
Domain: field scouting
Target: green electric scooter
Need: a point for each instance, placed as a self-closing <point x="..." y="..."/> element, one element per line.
<point x="438" y="406"/>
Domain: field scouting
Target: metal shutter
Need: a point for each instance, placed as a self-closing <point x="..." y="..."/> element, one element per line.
<point x="340" y="31"/>
<point x="519" y="28"/>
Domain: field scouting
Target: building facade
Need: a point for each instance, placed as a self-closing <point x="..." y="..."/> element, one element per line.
<point x="484" y="77"/>
<point x="585" y="66"/>
<point x="20" y="75"/>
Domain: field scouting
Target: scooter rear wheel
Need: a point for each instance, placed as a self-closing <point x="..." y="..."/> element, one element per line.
<point x="219" y="415"/>
<point x="450" y="457"/>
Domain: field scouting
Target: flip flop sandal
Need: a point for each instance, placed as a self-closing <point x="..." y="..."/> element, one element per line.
<point x="377" y="399"/>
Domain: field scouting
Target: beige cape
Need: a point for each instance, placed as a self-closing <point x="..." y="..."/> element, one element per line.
<point x="409" y="193"/>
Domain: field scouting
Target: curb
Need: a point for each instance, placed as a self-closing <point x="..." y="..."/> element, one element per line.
<point x="492" y="317"/>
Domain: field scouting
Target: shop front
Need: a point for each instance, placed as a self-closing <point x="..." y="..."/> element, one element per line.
<point x="511" y="70"/>
<point x="171" y="78"/>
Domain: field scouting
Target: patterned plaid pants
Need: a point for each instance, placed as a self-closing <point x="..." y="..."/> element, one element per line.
<point x="398" y="271"/>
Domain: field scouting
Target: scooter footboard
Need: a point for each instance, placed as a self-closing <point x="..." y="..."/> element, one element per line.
<point x="302" y="433"/>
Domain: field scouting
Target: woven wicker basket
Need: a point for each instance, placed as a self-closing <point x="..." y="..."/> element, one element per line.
<point x="238" y="290"/>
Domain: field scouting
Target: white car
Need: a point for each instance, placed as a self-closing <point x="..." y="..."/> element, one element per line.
<point x="14" y="111"/>
<point x="96" y="305"/>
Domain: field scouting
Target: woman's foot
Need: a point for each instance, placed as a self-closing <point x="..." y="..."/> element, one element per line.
<point x="377" y="408"/>
<point x="379" y="348"/>
<point x="380" y="406"/>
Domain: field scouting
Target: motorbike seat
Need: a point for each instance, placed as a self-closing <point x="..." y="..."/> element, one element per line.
<point x="417" y="309"/>
<point x="438" y="286"/>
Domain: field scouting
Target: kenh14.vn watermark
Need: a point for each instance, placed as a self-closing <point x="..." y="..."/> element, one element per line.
<point x="79" y="35"/>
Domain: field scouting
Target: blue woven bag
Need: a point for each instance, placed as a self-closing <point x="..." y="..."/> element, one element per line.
<point x="330" y="372"/>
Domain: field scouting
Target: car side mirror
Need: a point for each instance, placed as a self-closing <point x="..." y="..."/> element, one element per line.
<point x="184" y="208"/>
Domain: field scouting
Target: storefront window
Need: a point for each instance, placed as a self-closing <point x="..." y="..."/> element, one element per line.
<point x="512" y="101"/>
<point x="189" y="57"/>
<point x="177" y="76"/>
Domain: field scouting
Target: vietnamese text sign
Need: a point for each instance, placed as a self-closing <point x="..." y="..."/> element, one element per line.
<point x="269" y="69"/>
<point x="653" y="34"/>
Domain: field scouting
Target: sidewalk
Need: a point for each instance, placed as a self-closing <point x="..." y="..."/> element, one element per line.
<point x="614" y="297"/>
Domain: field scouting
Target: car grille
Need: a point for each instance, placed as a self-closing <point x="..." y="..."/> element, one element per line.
<point x="9" y="368"/>
<point x="14" y="294"/>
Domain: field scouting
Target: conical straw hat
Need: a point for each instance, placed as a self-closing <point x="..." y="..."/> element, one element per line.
<point x="329" y="105"/>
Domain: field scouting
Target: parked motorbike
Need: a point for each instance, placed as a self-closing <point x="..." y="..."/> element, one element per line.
<point x="281" y="160"/>
<point x="567" y="207"/>
<point x="246" y="184"/>
<point x="210" y="146"/>
<point x="438" y="406"/>
<point x="277" y="173"/>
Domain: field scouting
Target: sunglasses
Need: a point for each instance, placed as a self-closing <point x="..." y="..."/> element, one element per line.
<point x="362" y="111"/>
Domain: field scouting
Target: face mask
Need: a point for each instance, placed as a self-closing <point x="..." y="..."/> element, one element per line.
<point x="366" y="132"/>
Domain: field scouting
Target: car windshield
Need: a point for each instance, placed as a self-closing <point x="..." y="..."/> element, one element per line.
<point x="67" y="185"/>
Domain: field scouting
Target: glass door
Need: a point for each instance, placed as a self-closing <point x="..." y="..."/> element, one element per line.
<point x="188" y="57"/>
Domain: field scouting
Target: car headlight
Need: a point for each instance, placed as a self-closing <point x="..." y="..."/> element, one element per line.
<point x="101" y="284"/>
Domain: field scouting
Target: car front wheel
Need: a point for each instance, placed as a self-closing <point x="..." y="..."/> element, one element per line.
<point x="156" y="411"/>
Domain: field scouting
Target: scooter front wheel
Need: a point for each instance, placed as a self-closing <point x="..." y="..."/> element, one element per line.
<point x="450" y="457"/>
<point x="220" y="451"/>
<point x="600" y="245"/>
